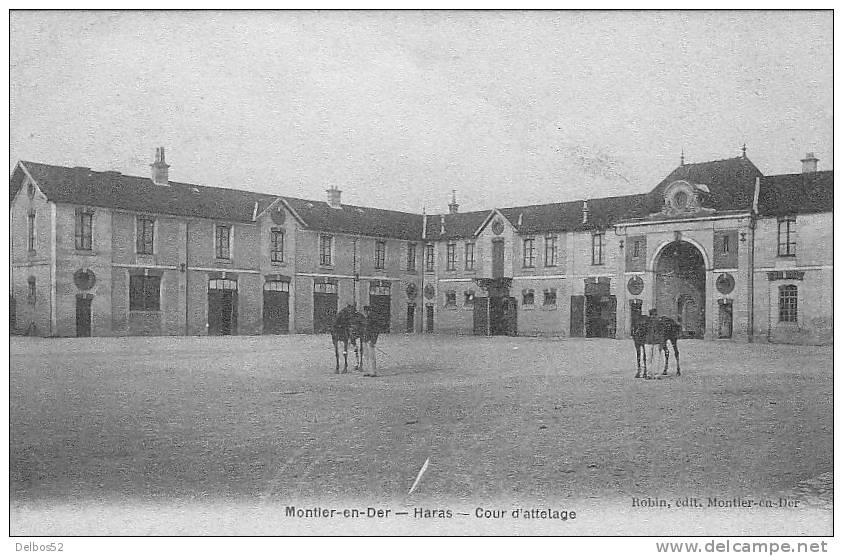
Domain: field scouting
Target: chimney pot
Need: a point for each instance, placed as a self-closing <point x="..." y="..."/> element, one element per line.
<point x="334" y="196"/>
<point x="454" y="206"/>
<point x="160" y="168"/>
<point x="809" y="163"/>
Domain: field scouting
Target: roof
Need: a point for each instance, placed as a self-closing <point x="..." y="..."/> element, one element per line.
<point x="796" y="193"/>
<point x="350" y="219"/>
<point x="731" y="182"/>
<point x="459" y="225"/>
<point x="83" y="186"/>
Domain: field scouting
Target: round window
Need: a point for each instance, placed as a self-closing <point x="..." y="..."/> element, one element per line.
<point x="635" y="285"/>
<point x="497" y="227"/>
<point x="725" y="283"/>
<point x="680" y="199"/>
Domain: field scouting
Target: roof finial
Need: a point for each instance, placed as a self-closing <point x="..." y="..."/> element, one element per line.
<point x="743" y="150"/>
<point x="682" y="157"/>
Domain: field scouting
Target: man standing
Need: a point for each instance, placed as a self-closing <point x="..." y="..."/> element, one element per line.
<point x="370" y="338"/>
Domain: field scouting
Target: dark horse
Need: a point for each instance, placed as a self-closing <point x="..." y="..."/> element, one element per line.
<point x="348" y="327"/>
<point x="655" y="330"/>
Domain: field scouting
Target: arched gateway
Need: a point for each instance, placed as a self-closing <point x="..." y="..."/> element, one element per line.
<point x="680" y="286"/>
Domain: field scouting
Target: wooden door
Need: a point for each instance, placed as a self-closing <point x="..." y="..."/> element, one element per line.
<point x="222" y="312"/>
<point x="411" y="317"/>
<point x="429" y="317"/>
<point x="83" y="316"/>
<point x="481" y="316"/>
<point x="577" y="311"/>
<point x="276" y="312"/>
<point x="324" y="311"/>
<point x="497" y="259"/>
<point x="379" y="308"/>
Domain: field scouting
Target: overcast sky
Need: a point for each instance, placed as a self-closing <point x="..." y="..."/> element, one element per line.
<point x="398" y="108"/>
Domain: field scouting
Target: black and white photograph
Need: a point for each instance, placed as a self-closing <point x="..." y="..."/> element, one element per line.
<point x="377" y="273"/>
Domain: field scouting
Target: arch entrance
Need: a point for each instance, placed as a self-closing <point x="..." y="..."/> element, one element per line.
<point x="680" y="287"/>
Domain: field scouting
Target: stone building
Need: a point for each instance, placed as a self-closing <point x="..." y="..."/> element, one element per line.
<point x="725" y="250"/>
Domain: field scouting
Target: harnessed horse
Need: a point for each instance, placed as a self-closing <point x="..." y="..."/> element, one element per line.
<point x="655" y="330"/>
<point x="348" y="327"/>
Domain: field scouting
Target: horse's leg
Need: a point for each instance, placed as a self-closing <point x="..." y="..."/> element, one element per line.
<point x="663" y="347"/>
<point x="358" y="355"/>
<point x="676" y="354"/>
<point x="638" y="359"/>
<point x="345" y="355"/>
<point x="336" y="354"/>
<point x="644" y="350"/>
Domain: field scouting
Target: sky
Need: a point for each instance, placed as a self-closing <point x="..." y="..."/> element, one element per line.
<point x="397" y="109"/>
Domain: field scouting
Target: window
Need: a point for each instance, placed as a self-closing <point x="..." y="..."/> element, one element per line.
<point x="30" y="226"/>
<point x="428" y="257"/>
<point x="84" y="221"/>
<point x="452" y="256"/>
<point x="380" y="254"/>
<point x="550" y="297"/>
<point x="144" y="293"/>
<point x="528" y="297"/>
<point x="30" y="292"/>
<point x="529" y="253"/>
<point x="787" y="236"/>
<point x="724" y="248"/>
<point x="276" y="245"/>
<point x="222" y="284"/>
<point x="379" y="287"/>
<point x="469" y="256"/>
<point x="145" y="235"/>
<point x="636" y="248"/>
<point x="324" y="287"/>
<point x="276" y="286"/>
<point x="788" y="303"/>
<point x="597" y="248"/>
<point x="411" y="256"/>
<point x="451" y="299"/>
<point x="325" y="248"/>
<point x="469" y="298"/>
<point x="223" y="241"/>
<point x="550" y="251"/>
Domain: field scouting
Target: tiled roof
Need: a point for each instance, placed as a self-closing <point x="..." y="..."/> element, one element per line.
<point x="796" y="193"/>
<point x="81" y="186"/>
<point x="731" y="182"/>
<point x="349" y="219"/>
<point x="457" y="226"/>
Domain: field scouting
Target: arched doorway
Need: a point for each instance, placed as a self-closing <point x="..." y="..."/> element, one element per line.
<point x="680" y="287"/>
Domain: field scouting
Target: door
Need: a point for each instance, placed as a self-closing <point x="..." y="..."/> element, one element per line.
<point x="276" y="307"/>
<point x="83" y="316"/>
<point x="577" y="310"/>
<point x="510" y="316"/>
<point x="379" y="308"/>
<point x="411" y="317"/>
<point x="481" y="316"/>
<point x="725" y="320"/>
<point x="496" y="324"/>
<point x="608" y="316"/>
<point x="428" y="318"/>
<point x="592" y="316"/>
<point x="324" y="311"/>
<point x="222" y="312"/>
<point x="691" y="315"/>
<point x="497" y="259"/>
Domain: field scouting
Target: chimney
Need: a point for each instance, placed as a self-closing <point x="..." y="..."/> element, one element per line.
<point x="160" y="168"/>
<point x="809" y="163"/>
<point x="334" y="197"/>
<point x="454" y="207"/>
<point x="585" y="212"/>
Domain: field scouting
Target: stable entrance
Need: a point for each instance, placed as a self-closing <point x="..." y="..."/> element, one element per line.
<point x="680" y="287"/>
<point x="411" y="317"/>
<point x="222" y="306"/>
<point x="324" y="306"/>
<point x="83" y="315"/>
<point x="276" y="307"/>
<point x="379" y="304"/>
<point x="497" y="313"/>
<point x="600" y="314"/>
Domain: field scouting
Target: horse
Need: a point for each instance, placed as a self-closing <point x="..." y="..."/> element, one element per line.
<point x="348" y="327"/>
<point x="655" y="330"/>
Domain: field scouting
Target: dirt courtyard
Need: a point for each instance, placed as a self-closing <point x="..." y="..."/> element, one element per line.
<point x="221" y="435"/>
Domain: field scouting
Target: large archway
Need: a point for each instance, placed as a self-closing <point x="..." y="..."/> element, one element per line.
<point x="680" y="286"/>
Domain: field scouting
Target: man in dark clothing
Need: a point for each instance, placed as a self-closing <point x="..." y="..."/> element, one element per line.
<point x="370" y="338"/>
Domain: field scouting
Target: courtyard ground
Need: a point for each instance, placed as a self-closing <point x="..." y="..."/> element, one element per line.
<point x="221" y="435"/>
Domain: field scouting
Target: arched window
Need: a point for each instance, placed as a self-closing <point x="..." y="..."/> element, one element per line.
<point x="788" y="303"/>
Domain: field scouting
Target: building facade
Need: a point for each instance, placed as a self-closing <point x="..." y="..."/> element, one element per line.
<point x="723" y="249"/>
